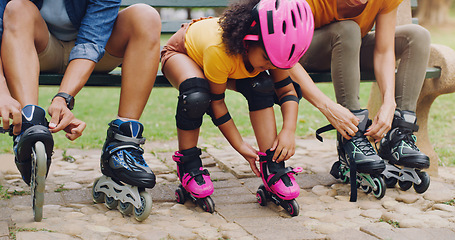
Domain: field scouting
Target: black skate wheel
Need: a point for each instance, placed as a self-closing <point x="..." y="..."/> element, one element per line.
<point x="423" y="186"/>
<point x="206" y="204"/>
<point x="125" y="208"/>
<point x="142" y="213"/>
<point x="180" y="196"/>
<point x="405" y="185"/>
<point x="110" y="202"/>
<point x="380" y="187"/>
<point x="98" y="197"/>
<point x="390" y="182"/>
<point x="366" y="189"/>
<point x="261" y="198"/>
<point x="335" y="170"/>
<point x="292" y="207"/>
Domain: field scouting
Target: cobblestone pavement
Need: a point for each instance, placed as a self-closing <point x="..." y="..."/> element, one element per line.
<point x="325" y="210"/>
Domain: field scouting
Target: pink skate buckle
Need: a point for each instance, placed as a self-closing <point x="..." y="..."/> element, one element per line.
<point x="297" y="169"/>
<point x="262" y="154"/>
<point x="176" y="156"/>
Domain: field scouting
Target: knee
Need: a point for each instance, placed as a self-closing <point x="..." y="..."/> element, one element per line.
<point x="413" y="37"/>
<point x="145" y="19"/>
<point x="347" y="33"/>
<point x="193" y="102"/>
<point x="18" y="13"/>
<point x="419" y="35"/>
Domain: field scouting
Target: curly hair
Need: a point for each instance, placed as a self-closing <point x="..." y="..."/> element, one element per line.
<point x="236" y="24"/>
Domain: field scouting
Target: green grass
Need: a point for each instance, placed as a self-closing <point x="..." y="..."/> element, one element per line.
<point x="98" y="106"/>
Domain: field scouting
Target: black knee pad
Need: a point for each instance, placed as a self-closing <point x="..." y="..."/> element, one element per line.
<point x="194" y="100"/>
<point x="258" y="91"/>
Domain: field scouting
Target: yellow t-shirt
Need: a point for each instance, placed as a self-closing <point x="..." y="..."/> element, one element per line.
<point x="325" y="12"/>
<point x="204" y="45"/>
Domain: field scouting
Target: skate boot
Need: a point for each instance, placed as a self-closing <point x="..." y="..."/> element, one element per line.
<point x="195" y="181"/>
<point x="279" y="184"/>
<point x="33" y="149"/>
<point x="358" y="162"/>
<point x="404" y="161"/>
<point x="126" y="175"/>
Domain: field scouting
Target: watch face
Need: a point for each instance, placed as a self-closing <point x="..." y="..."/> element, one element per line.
<point x="68" y="99"/>
<point x="70" y="103"/>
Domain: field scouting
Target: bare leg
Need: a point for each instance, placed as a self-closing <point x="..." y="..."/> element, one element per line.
<point x="136" y="38"/>
<point x="25" y="35"/>
<point x="177" y="69"/>
<point x="264" y="126"/>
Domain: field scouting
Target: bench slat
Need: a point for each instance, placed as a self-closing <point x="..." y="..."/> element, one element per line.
<point x="114" y="78"/>
<point x="172" y="26"/>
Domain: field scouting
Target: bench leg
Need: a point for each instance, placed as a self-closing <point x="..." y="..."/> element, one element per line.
<point x="423" y="140"/>
<point x="422" y="113"/>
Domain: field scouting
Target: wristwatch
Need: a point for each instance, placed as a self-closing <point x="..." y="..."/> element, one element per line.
<point x="68" y="98"/>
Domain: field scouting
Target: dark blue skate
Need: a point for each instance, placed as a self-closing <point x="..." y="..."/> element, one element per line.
<point x="126" y="175"/>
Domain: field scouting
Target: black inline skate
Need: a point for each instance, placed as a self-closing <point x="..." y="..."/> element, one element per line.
<point x="126" y="175"/>
<point x="278" y="184"/>
<point x="358" y="162"/>
<point x="33" y="149"/>
<point x="404" y="161"/>
<point x="196" y="184"/>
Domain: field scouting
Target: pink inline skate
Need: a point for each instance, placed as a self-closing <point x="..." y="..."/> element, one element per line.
<point x="195" y="181"/>
<point x="279" y="184"/>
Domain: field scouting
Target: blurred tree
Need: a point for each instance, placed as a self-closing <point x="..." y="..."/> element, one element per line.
<point x="433" y="12"/>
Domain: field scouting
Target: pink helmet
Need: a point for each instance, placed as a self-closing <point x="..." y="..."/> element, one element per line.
<point x="286" y="29"/>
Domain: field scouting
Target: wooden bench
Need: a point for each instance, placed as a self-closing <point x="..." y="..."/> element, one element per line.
<point x="439" y="74"/>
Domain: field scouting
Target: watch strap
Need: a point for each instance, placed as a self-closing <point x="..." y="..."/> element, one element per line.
<point x="68" y="99"/>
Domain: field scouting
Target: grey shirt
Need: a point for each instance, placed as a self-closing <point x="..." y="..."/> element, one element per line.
<point x="57" y="20"/>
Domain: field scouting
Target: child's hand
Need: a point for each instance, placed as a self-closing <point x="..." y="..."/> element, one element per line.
<point x="251" y="155"/>
<point x="284" y="146"/>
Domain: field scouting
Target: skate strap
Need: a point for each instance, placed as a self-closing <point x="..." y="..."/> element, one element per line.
<point x="9" y="130"/>
<point x="403" y="124"/>
<point x="279" y="174"/>
<point x="353" y="180"/>
<point x="323" y="130"/>
<point x="124" y="138"/>
<point x="190" y="158"/>
<point x="124" y="145"/>
<point x="196" y="172"/>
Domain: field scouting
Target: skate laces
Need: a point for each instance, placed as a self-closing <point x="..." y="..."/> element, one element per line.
<point x="406" y="136"/>
<point x="362" y="143"/>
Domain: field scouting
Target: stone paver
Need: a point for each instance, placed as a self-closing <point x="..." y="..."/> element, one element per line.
<point x="325" y="210"/>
